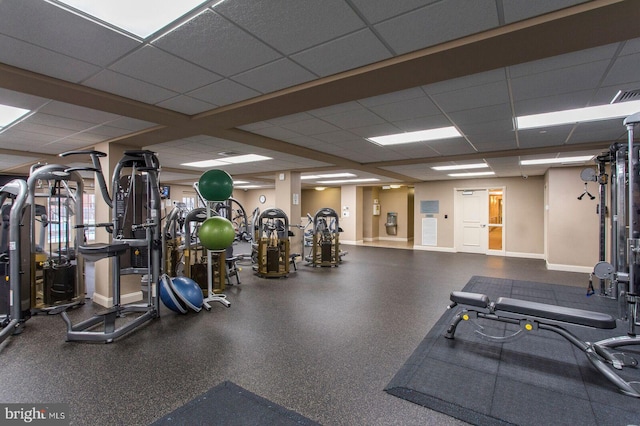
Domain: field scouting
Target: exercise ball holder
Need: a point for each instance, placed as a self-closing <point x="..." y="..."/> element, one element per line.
<point x="219" y="256"/>
<point x="211" y="281"/>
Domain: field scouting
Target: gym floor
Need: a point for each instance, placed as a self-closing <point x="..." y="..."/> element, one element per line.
<point x="323" y="342"/>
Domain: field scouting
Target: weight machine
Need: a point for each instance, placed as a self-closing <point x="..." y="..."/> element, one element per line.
<point x="273" y="244"/>
<point x="325" y="249"/>
<point x="15" y="256"/>
<point x="623" y="273"/>
<point x="136" y="214"/>
<point x="57" y="273"/>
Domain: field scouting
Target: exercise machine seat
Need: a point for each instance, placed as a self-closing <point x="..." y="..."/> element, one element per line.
<point x="555" y="313"/>
<point x="97" y="251"/>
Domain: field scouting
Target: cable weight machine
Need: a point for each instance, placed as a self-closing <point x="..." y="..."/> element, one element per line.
<point x="135" y="204"/>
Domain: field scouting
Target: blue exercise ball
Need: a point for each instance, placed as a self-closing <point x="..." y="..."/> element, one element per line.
<point x="188" y="291"/>
<point x="168" y="297"/>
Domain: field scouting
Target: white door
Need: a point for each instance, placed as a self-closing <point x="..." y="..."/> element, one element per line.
<point x="472" y="216"/>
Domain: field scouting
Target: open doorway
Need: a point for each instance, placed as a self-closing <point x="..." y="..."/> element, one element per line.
<point x="496" y="219"/>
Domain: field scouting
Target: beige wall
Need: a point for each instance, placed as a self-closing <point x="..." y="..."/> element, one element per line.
<point x="395" y="200"/>
<point x="572" y="224"/>
<point x="313" y="200"/>
<point x="370" y="223"/>
<point x="524" y="212"/>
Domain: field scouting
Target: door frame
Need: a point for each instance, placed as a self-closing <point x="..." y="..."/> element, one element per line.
<point x="456" y="231"/>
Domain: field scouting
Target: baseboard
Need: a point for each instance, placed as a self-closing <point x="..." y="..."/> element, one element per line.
<point x="435" y="248"/>
<point x="570" y="268"/>
<point x="539" y="256"/>
<point x="125" y="299"/>
<point x="394" y="239"/>
<point x="351" y="242"/>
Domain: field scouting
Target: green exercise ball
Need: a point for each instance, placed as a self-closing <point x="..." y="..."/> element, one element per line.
<point x="216" y="233"/>
<point x="215" y="185"/>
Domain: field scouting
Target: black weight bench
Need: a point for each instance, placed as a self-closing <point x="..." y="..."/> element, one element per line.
<point x="532" y="316"/>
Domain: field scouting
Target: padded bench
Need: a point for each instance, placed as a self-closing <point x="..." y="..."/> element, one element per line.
<point x="531" y="316"/>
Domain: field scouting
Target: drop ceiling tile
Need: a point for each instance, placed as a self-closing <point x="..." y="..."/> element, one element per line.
<point x="34" y="58"/>
<point x="631" y="46"/>
<point x="335" y="109"/>
<point x="455" y="146"/>
<point x="311" y="127"/>
<point x="306" y="141"/>
<point x="552" y="136"/>
<point x="607" y="130"/>
<point x="482" y="115"/>
<point x="21" y="100"/>
<point x="473" y="97"/>
<point x="573" y="59"/>
<point x="128" y="87"/>
<point x="276" y="75"/>
<point x="223" y="92"/>
<point x="336" y="137"/>
<point x="517" y="10"/>
<point x="157" y="67"/>
<point x="288" y="119"/>
<point x="488" y="127"/>
<point x="186" y="105"/>
<point x="131" y="124"/>
<point x="488" y="144"/>
<point x="75" y="112"/>
<point x="624" y="71"/>
<point x="292" y="25"/>
<point x="59" y="122"/>
<point x="378" y="10"/>
<point x="561" y="102"/>
<point x="565" y="80"/>
<point x="216" y="44"/>
<point x="45" y="25"/>
<point x="392" y="98"/>
<point x="405" y="110"/>
<point x="422" y="123"/>
<point x="479" y="79"/>
<point x="354" y="119"/>
<point x="431" y="25"/>
<point x="376" y="130"/>
<point x="345" y="53"/>
<point x="276" y="133"/>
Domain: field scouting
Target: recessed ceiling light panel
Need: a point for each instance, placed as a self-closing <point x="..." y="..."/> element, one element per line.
<point x="565" y="160"/>
<point x="461" y="167"/>
<point x="418" y="136"/>
<point x="9" y="114"/>
<point x="139" y="17"/>
<point x="579" y="115"/>
<point x="227" y="161"/>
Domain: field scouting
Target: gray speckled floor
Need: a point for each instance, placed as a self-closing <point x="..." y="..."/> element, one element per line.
<point x="323" y="342"/>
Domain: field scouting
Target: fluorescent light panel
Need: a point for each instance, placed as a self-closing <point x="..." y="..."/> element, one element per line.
<point x="349" y="180"/>
<point x="9" y="114"/>
<point x="327" y="176"/>
<point x="227" y="161"/>
<point x="471" y="174"/>
<point x="579" y="159"/>
<point x="139" y="17"/>
<point x="461" y="167"/>
<point x="418" y="136"/>
<point x="579" y="115"/>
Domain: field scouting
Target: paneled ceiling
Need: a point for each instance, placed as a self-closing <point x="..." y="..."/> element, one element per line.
<point x="305" y="82"/>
